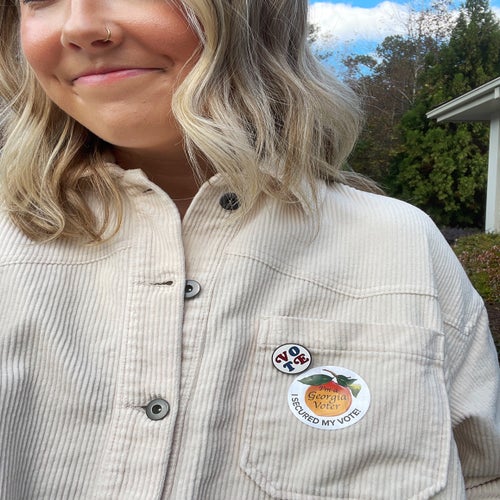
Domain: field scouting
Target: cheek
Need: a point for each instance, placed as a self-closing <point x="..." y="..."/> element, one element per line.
<point x="40" y="46"/>
<point x="169" y="33"/>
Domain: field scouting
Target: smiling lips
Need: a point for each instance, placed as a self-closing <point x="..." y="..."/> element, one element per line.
<point x="111" y="75"/>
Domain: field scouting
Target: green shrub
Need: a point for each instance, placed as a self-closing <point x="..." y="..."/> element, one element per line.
<point x="480" y="256"/>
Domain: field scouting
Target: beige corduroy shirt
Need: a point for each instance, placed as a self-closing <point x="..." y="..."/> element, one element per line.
<point x="90" y="336"/>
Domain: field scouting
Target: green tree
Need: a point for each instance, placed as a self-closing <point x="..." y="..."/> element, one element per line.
<point x="390" y="81"/>
<point x="443" y="167"/>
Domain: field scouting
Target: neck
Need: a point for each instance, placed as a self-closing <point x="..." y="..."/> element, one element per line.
<point x="171" y="172"/>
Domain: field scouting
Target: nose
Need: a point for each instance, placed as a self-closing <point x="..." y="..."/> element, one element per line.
<point x="88" y="25"/>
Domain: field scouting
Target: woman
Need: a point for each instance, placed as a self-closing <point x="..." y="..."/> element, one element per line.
<point x="274" y="333"/>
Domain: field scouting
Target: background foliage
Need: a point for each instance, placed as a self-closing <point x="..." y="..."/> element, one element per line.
<point x="442" y="168"/>
<point x="480" y="257"/>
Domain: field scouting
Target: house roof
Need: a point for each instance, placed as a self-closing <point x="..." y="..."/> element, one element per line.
<point x="480" y="104"/>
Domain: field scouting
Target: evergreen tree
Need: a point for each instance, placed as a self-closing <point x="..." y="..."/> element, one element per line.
<point x="443" y="167"/>
<point x="389" y="91"/>
<point x="390" y="82"/>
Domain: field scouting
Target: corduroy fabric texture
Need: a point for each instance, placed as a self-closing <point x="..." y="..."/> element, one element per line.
<point x="89" y="335"/>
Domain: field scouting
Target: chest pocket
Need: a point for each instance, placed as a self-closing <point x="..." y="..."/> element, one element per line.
<point x="398" y="450"/>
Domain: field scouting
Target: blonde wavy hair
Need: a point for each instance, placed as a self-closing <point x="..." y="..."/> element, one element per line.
<point x="256" y="100"/>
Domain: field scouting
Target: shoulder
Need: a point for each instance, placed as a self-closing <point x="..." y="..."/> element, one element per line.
<point x="17" y="248"/>
<point x="357" y="242"/>
<point x="388" y="242"/>
<point x="13" y="242"/>
<point x="407" y="245"/>
<point x="362" y="245"/>
<point x="374" y="215"/>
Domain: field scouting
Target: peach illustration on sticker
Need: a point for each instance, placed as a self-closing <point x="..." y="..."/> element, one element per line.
<point x="329" y="397"/>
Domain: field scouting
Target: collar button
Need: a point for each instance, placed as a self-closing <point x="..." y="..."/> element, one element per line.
<point x="229" y="201"/>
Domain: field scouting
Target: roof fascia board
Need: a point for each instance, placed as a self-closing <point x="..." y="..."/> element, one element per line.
<point x="488" y="92"/>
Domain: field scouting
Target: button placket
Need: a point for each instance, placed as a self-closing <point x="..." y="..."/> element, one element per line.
<point x="204" y="259"/>
<point x="146" y="366"/>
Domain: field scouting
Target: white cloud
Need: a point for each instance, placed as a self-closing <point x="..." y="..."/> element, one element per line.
<point x="343" y="23"/>
<point x="340" y="22"/>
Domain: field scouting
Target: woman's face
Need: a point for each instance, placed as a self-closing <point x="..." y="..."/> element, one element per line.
<point x="118" y="86"/>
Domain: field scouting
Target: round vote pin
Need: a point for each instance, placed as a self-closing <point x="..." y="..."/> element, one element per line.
<point x="291" y="358"/>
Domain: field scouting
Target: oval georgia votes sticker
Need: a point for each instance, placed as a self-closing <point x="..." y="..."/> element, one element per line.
<point x="329" y="397"/>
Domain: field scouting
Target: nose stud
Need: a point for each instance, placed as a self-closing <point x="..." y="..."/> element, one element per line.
<point x="108" y="35"/>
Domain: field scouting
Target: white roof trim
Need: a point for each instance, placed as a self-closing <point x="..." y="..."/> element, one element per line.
<point x="484" y="101"/>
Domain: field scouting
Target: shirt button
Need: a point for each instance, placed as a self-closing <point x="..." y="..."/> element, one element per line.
<point x="157" y="409"/>
<point x="229" y="201"/>
<point x="192" y="289"/>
